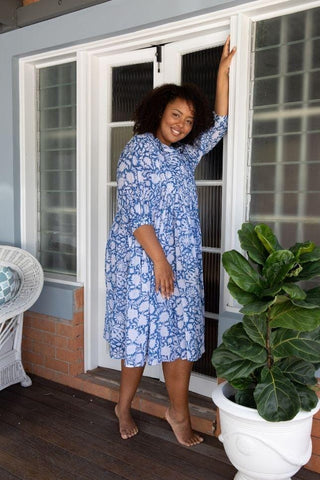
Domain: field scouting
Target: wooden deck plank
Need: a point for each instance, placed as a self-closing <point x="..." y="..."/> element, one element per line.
<point x="87" y="446"/>
<point x="5" y="475"/>
<point x="144" y="446"/>
<point x="49" y="431"/>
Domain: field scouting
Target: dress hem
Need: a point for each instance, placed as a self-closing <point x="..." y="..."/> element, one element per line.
<point x="156" y="362"/>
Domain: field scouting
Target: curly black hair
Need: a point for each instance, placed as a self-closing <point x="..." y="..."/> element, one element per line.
<point x="147" y="116"/>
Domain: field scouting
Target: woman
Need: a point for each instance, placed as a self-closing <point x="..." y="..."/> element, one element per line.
<point x="153" y="258"/>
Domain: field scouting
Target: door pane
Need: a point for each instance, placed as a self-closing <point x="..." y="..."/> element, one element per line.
<point x="201" y="68"/>
<point x="129" y="85"/>
<point x="204" y="365"/>
<point x="210" y="215"/>
<point x="211" y="277"/>
<point x="119" y="138"/>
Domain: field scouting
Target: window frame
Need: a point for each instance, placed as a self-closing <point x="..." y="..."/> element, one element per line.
<point x="235" y="202"/>
<point x="29" y="138"/>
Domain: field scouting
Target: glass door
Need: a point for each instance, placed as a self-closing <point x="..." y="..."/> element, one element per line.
<point x="128" y="77"/>
<point x="197" y="61"/>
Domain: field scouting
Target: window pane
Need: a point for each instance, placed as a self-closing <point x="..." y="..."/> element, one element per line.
<point x="268" y="33"/>
<point x="295" y="57"/>
<point x="57" y="168"/>
<point x="285" y="145"/>
<point x="295" y="26"/>
<point x="316" y="54"/>
<point x="267" y="62"/>
<point x="293" y="88"/>
<point x="266" y="92"/>
<point x="130" y="83"/>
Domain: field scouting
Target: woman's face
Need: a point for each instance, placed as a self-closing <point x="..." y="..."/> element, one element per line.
<point x="176" y="122"/>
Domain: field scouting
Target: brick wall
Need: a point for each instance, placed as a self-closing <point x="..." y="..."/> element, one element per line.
<point x="314" y="463"/>
<point x="53" y="347"/>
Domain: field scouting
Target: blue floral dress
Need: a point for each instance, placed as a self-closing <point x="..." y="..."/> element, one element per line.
<point x="156" y="186"/>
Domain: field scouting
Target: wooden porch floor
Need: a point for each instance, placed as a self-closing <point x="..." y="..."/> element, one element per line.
<point x="52" y="432"/>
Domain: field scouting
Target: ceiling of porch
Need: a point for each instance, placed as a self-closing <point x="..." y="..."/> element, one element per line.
<point x="20" y="13"/>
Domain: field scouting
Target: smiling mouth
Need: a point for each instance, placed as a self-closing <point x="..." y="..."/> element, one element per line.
<point x="175" y="132"/>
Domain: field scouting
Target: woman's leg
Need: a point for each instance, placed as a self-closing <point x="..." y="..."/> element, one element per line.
<point x="130" y="378"/>
<point x="177" y="377"/>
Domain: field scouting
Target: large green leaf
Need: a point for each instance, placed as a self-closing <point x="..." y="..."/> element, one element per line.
<point x="240" y="295"/>
<point x="258" y="306"/>
<point x="236" y="339"/>
<point x="255" y="327"/>
<point x="243" y="383"/>
<point x="241" y="272"/>
<point x="277" y="265"/>
<point x="294" y="291"/>
<point x="308" y="398"/>
<point x="288" y="315"/>
<point x="251" y="243"/>
<point x="231" y="366"/>
<point x="271" y="291"/>
<point x="276" y="398"/>
<point x="289" y="343"/>
<point x="302" y="248"/>
<point x="245" y="398"/>
<point x="310" y="257"/>
<point x="305" y="304"/>
<point x="309" y="270"/>
<point x="313" y="296"/>
<point x="267" y="238"/>
<point x="298" y="371"/>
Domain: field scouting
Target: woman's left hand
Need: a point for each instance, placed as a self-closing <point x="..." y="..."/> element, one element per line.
<point x="226" y="57"/>
<point x="222" y="85"/>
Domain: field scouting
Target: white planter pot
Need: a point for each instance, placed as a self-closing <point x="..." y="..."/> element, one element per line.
<point x="258" y="449"/>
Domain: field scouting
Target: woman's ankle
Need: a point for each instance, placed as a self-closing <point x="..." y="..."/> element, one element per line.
<point x="178" y="414"/>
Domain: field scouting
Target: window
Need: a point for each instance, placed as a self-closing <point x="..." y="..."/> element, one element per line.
<point x="285" y="136"/>
<point x="56" y="205"/>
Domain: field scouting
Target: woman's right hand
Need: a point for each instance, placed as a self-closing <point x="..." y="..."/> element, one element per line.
<point x="164" y="277"/>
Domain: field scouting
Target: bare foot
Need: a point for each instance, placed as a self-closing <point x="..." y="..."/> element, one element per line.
<point x="183" y="431"/>
<point x="127" y="426"/>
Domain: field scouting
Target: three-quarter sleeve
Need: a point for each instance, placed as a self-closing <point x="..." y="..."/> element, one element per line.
<point x="207" y="140"/>
<point x="137" y="178"/>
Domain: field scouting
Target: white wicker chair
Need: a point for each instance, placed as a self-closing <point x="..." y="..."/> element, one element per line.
<point x="11" y="313"/>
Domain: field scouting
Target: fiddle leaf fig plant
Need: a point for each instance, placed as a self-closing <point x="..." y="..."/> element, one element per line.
<point x="270" y="358"/>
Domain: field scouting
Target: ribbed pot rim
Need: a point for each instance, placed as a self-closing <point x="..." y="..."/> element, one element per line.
<point x="224" y="390"/>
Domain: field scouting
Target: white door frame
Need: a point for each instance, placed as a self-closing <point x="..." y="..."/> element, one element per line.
<point x="170" y="72"/>
<point x="106" y="63"/>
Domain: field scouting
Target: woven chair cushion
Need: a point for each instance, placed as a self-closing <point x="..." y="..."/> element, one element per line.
<point x="9" y="284"/>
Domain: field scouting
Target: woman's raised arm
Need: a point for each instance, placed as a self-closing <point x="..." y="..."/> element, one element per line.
<point x="222" y="89"/>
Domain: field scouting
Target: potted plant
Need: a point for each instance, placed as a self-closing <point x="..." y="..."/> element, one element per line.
<point x="270" y="358"/>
